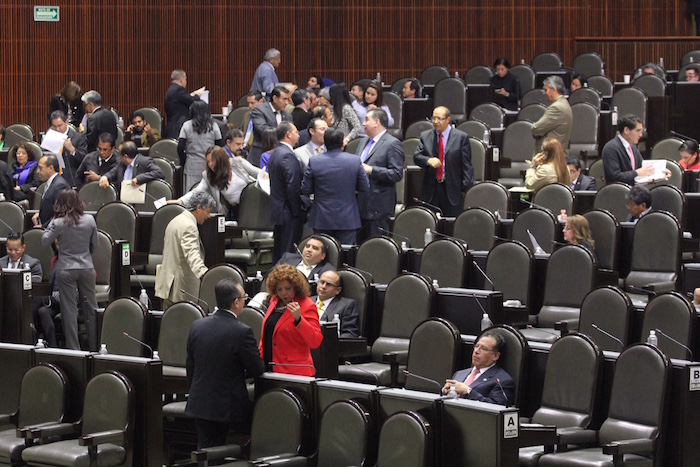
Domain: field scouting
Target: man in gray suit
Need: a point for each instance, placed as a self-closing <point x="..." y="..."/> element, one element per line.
<point x="382" y="158"/>
<point x="315" y="147"/>
<point x="16" y="259"/>
<point x="557" y="120"/>
<point x="266" y="116"/>
<point x="265" y="77"/>
<point x="329" y="303"/>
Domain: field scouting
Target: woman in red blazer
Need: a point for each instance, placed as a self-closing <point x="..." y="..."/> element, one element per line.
<point x="290" y="328"/>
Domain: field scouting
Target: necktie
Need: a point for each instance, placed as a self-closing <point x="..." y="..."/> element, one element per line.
<point x="128" y="172"/>
<point x="319" y="308"/>
<point x="441" y="156"/>
<point x="278" y="117"/>
<point x="368" y="148"/>
<point x="318" y="151"/>
<point x="472" y="376"/>
<point x="631" y="154"/>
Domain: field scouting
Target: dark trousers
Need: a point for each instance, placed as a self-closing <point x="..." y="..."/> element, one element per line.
<point x="286" y="235"/>
<point x="44" y="310"/>
<point x="441" y="200"/>
<point x="344" y="237"/>
<point x="210" y="434"/>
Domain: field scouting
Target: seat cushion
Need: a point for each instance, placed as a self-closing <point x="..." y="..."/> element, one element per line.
<point x="174" y="371"/>
<point x="372" y="373"/>
<point x="547" y="335"/>
<point x="10" y="446"/>
<point x="592" y="457"/>
<point x="530" y="456"/>
<point x="70" y="454"/>
<point x="175" y="409"/>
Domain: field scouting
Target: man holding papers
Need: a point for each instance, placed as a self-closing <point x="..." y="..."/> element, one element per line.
<point x="136" y="167"/>
<point x="73" y="146"/>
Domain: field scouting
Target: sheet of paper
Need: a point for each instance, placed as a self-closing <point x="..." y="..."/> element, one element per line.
<point x="659" y="166"/>
<point x="262" y="182"/>
<point x="53" y="141"/>
<point x="132" y="194"/>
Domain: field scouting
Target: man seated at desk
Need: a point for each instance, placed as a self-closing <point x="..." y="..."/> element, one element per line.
<point x="579" y="180"/>
<point x="16" y="259"/>
<point x="485" y="381"/>
<point x="313" y="262"/>
<point x="638" y="203"/>
<point x="329" y="303"/>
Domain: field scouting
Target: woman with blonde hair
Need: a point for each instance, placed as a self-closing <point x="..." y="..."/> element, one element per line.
<point x="578" y="232"/>
<point x="548" y="166"/>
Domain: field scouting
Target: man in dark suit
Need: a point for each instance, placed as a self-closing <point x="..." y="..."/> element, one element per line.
<point x="16" y="259"/>
<point x="136" y="167"/>
<point x="287" y="213"/>
<point x="485" y="381"/>
<point x="579" y="181"/>
<point x="47" y="170"/>
<point x="265" y="116"/>
<point x="177" y="103"/>
<point x="99" y="120"/>
<point x="97" y="163"/>
<point x="74" y="147"/>
<point x="638" y="203"/>
<point x="312" y="262"/>
<point x="221" y="353"/>
<point x="301" y="115"/>
<point x="334" y="178"/>
<point x="329" y="303"/>
<point x="446" y="155"/>
<point x="382" y="158"/>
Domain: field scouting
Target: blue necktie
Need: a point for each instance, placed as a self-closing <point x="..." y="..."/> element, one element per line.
<point x="368" y="148"/>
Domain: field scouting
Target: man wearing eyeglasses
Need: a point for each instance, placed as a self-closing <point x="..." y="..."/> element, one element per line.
<point x="485" y="381"/>
<point x="16" y="259"/>
<point x="98" y="163"/>
<point x="221" y="354"/>
<point x="329" y="303"/>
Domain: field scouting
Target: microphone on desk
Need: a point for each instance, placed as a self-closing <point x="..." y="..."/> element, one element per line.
<point x="293" y="365"/>
<point x="140" y="342"/>
<point x="537" y="206"/>
<point x="498" y="380"/>
<point x="196" y="298"/>
<point x="19" y="135"/>
<point x="483" y="311"/>
<point x="376" y="380"/>
<point x="111" y="219"/>
<point x="659" y="331"/>
<point x="429" y="206"/>
<point x="389" y="233"/>
<point x="554" y="242"/>
<point x="530" y="326"/>
<point x="12" y="230"/>
<point x="501" y="239"/>
<point x="499" y="212"/>
<point x="361" y="271"/>
<point x="484" y="274"/>
<point x="296" y="247"/>
<point x="680" y="135"/>
<point x="603" y="331"/>
<point x="650" y="293"/>
<point x="423" y="378"/>
<point x="462" y="242"/>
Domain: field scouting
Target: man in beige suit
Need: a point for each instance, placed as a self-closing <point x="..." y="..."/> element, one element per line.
<point x="557" y="120"/>
<point x="183" y="253"/>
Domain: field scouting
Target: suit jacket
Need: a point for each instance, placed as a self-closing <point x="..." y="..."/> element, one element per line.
<point x="265" y="78"/>
<point x="92" y="163"/>
<point x="221" y="353"/>
<point x="555" y="123"/>
<point x="459" y="172"/>
<point x="285" y="185"/>
<point x="486" y="389"/>
<point x="177" y="104"/>
<point x="585" y="183"/>
<point x="293" y="259"/>
<point x="49" y="199"/>
<point x="304" y="153"/>
<point x="73" y="161"/>
<point x="75" y="242"/>
<point x="301" y="118"/>
<point x="263" y="118"/>
<point x="616" y="162"/>
<point x="183" y="259"/>
<point x="346" y="308"/>
<point x="334" y="178"/>
<point x="293" y="343"/>
<point x="26" y="261"/>
<point x="6" y="182"/>
<point x="145" y="170"/>
<point x="386" y="158"/>
<point x="100" y="121"/>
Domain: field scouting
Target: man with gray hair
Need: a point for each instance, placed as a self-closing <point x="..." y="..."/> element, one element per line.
<point x="99" y="119"/>
<point x="183" y="253"/>
<point x="177" y="103"/>
<point x="557" y="120"/>
<point x="265" y="76"/>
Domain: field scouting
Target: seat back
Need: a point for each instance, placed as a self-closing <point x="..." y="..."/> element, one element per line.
<point x="652" y="85"/>
<point x="161" y="219"/>
<point x="95" y="197"/>
<point x="416" y="128"/>
<point x="118" y="220"/>
<point x="33" y="149"/>
<point x="254" y="209"/>
<point x="43" y="395"/>
<point x="395" y="104"/>
<point x="167" y="149"/>
<point x="452" y="93"/>
<point x="477" y="227"/>
<point x="18" y="133"/>
<point x="253" y="317"/>
<point x="613" y="198"/>
<point x="445" y="260"/>
<point x="489" y="113"/>
<point x="570" y="383"/>
<point x="547" y="61"/>
<point x="690" y="57"/>
<point x="356" y="287"/>
<point x="673" y="314"/>
<point x="518" y="146"/>
<point x="174" y="332"/>
<point x="409" y="149"/>
<point x="276" y="408"/>
<point x="12" y="214"/>
<point x="532" y="111"/>
<point x="155" y="190"/>
<point x="344" y="435"/>
<point x="479" y="149"/>
<point x="666" y="149"/>
<point x="475" y="129"/>
<point x="655" y="250"/>
<point x="239" y="118"/>
<point x="124" y="315"/>
<point x="597" y="171"/>
<point x="489" y="195"/>
<point x="167" y="167"/>
<point x="512" y="359"/>
<point x="411" y="223"/>
<point x="631" y="100"/>
<point x="153" y="117"/>
<point x="35" y="249"/>
<point x="381" y="257"/>
<point x="108" y="404"/>
<point x="526" y="75"/>
<point x="102" y="259"/>
<point x="352" y="146"/>
<point x="406" y="439"/>
<point x="540" y="223"/>
<point x="397" y="86"/>
<point x="433" y="74"/>
<point x="609" y="309"/>
<point x="213" y="276"/>
<point x="433" y="353"/>
<point x="334" y="248"/>
<point x="602" y="84"/>
<point x="534" y="96"/>
<point x="588" y="95"/>
<point x="669" y="198"/>
<point x="36" y="199"/>
<point x="478" y="74"/>
<point x="590" y="64"/>
<point x="555" y="197"/>
<point x="676" y="178"/>
<point x="605" y="230"/>
<point x="584" y="135"/>
<point x="502" y="260"/>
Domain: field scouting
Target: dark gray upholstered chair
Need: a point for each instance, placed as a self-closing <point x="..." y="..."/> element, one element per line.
<point x="590" y="64"/>
<point x="240" y="118"/>
<point x="607" y="309"/>
<point x="477" y="227"/>
<point x="119" y="220"/>
<point x="676" y="178"/>
<point x="36" y="199"/>
<point x="406" y="439"/>
<point x="275" y="409"/>
<point x="569" y="393"/>
<point x="433" y="74"/>
<point x="602" y="84"/>
<point x="588" y="95"/>
<point x="395" y="103"/>
<point x="571" y="264"/>
<point x="445" y="260"/>
<point x="102" y="259"/>
<point x="534" y="96"/>
<point x="673" y="315"/>
<point x="605" y="230"/>
<point x="31" y="147"/>
<point x="153" y="117"/>
<point x="690" y="57"/>
<point x="409" y="301"/>
<point x="254" y="248"/>
<point x="479" y="150"/>
<point x="412" y="222"/>
<point x="547" y="61"/>
<point x="352" y="146"/>
<point x="12" y="214"/>
<point x="502" y="261"/>
<point x="105" y="431"/>
<point x="381" y="257"/>
<point x="666" y="148"/>
<point x="167" y="149"/>
<point x="518" y="146"/>
<point x="631" y="100"/>
<point x="478" y="74"/>
<point x="167" y="167"/>
<point x="356" y="287"/>
<point x="526" y="75"/>
<point x="155" y="190"/>
<point x="43" y="397"/>
<point x="540" y="223"/>
<point x="334" y="248"/>
<point x="452" y="93"/>
<point x="253" y="317"/>
<point x="489" y="195"/>
<point x="475" y="129"/>
<point x="433" y="353"/>
<point x="490" y="114"/>
<point x="172" y="344"/>
<point x="124" y="315"/>
<point x="409" y="148"/>
<point x="212" y="277"/>
<point x="632" y="434"/>
<point x="584" y="135"/>
<point x="652" y="85"/>
<point x="671" y="199"/>
<point x="612" y="198"/>
<point x="597" y="170"/>
<point x="44" y="253"/>
<point x="532" y="111"/>
<point x="513" y="358"/>
<point x="416" y="128"/>
<point x="555" y="197"/>
<point x="18" y="133"/>
<point x="397" y="86"/>
<point x="95" y="197"/>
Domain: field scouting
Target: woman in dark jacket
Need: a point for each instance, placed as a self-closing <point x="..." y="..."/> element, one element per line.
<point x="505" y="85"/>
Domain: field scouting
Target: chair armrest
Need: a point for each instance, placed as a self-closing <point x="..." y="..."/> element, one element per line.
<point x="60" y="429"/>
<point x="24" y="432"/>
<point x="397" y="356"/>
<point x="660" y="287"/>
<point x="103" y="437"/>
<point x="533" y="434"/>
<point x="217" y="452"/>
<point x="629" y="446"/>
<point x="575" y="435"/>
<point x="565" y="326"/>
<point x="279" y="459"/>
<point x="6" y="418"/>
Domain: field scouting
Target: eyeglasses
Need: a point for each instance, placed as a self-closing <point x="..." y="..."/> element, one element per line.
<point x="244" y="297"/>
<point x="483" y="348"/>
<point x="438" y="119"/>
<point x="325" y="282"/>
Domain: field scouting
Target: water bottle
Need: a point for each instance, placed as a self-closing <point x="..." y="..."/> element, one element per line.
<point x="522" y="61"/>
<point x="435" y="284"/>
<point x="336" y="320"/>
<point x="562" y="217"/>
<point x="457" y="74"/>
<point x="379" y="77"/>
<point x="614" y="116"/>
<point x="40" y="344"/>
<point x="452" y="394"/>
<point x="661" y="62"/>
<point x="486" y="137"/>
<point x="143" y="298"/>
<point x="155" y="355"/>
<point x="486" y="322"/>
<point x="258" y="276"/>
<point x="229" y="109"/>
<point x="404" y="247"/>
<point x="316" y="278"/>
<point x="652" y="339"/>
<point x="120" y="123"/>
<point x="428" y="237"/>
<point x="2" y="197"/>
<point x="103" y="349"/>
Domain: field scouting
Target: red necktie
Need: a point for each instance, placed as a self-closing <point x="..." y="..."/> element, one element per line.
<point x="441" y="156"/>
<point x="472" y="376"/>
<point x="631" y="154"/>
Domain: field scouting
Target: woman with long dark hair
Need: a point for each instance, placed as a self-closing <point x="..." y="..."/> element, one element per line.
<point x="372" y="98"/>
<point x="344" y="116"/>
<point x="197" y="134"/>
<point x="68" y="100"/>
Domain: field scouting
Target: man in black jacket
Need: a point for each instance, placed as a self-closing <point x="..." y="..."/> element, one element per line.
<point x="178" y="102"/>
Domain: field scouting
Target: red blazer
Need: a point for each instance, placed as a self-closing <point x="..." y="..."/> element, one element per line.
<point x="292" y="344"/>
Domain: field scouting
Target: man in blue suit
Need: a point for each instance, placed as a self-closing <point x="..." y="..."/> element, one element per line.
<point x="485" y="381"/>
<point x="334" y="178"/>
<point x="382" y="158"/>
